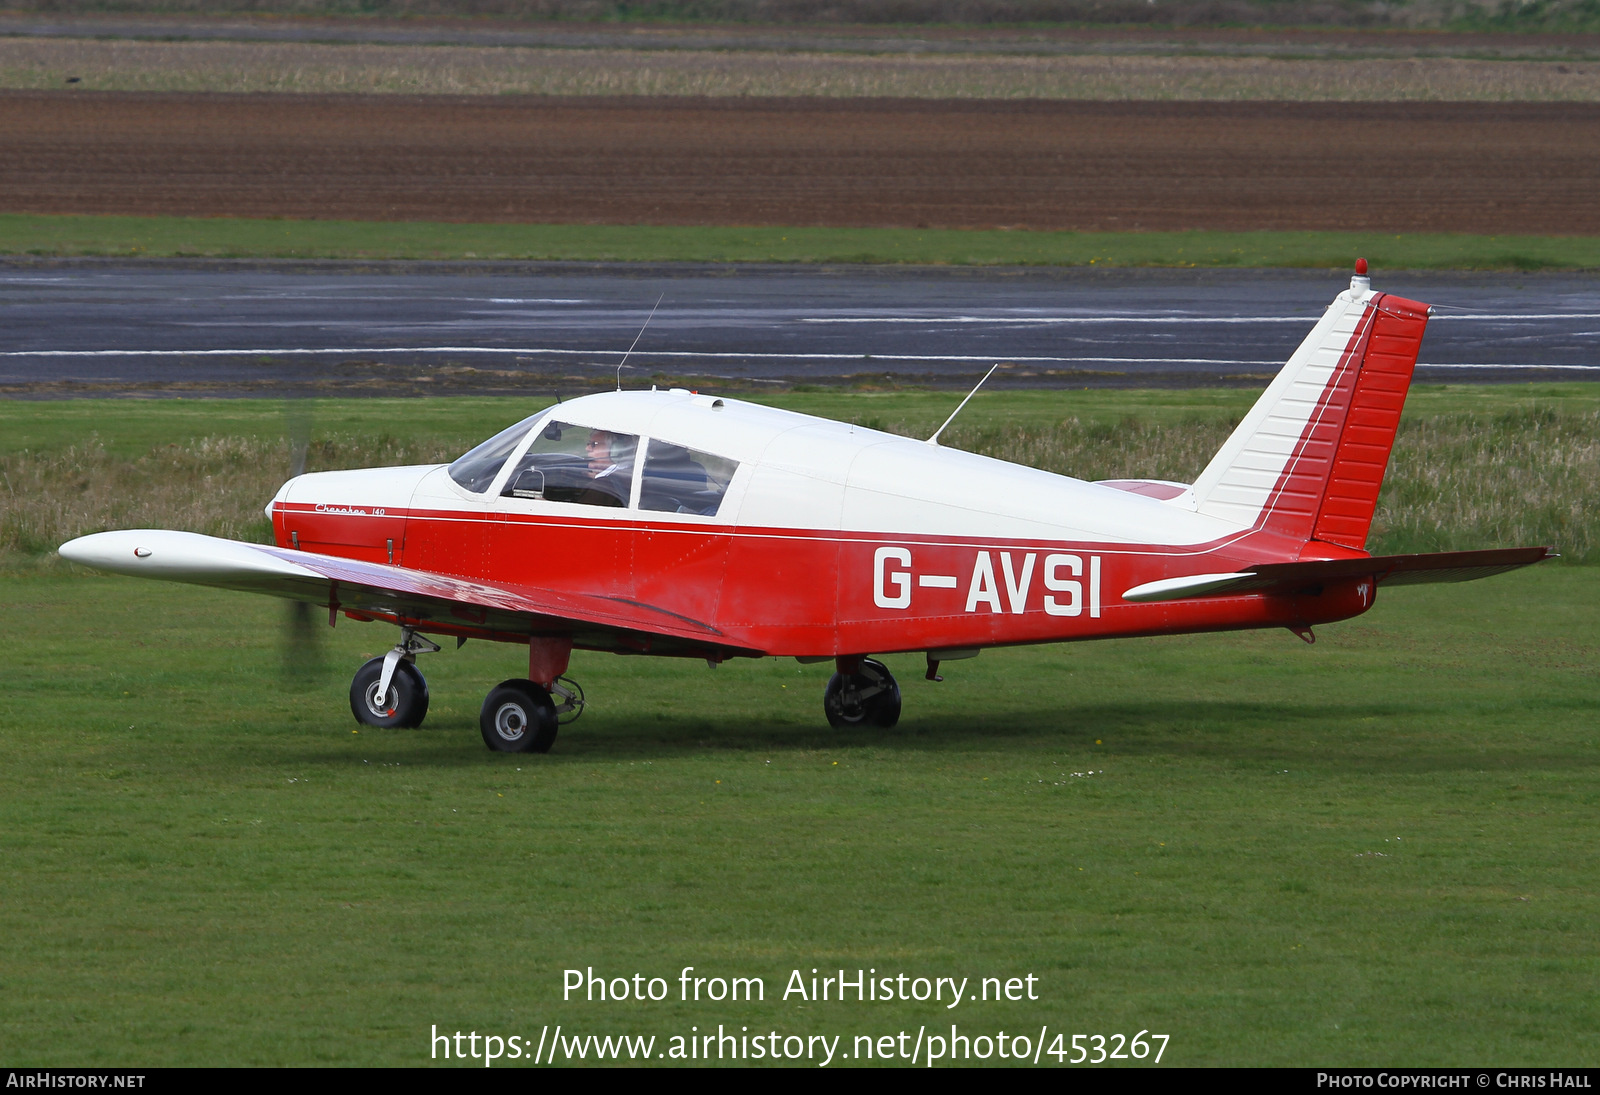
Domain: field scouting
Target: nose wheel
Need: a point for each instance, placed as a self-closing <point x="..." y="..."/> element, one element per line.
<point x="403" y="703"/>
<point x="390" y="691"/>
<point x="862" y="695"/>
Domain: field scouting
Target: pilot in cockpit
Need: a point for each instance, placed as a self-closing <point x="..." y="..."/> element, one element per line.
<point x="603" y="458"/>
<point x="575" y="464"/>
<point x="610" y="467"/>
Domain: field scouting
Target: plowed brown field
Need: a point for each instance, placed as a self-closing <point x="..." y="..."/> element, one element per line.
<point x="1474" y="167"/>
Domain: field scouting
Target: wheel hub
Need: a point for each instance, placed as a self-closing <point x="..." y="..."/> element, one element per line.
<point x="376" y="704"/>
<point x="511" y="721"/>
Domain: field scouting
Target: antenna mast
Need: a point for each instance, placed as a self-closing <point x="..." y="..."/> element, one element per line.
<point x="637" y="337"/>
<point x="934" y="440"/>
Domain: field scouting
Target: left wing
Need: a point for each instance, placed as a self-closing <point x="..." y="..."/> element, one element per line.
<point x="1389" y="570"/>
<point x="429" y="602"/>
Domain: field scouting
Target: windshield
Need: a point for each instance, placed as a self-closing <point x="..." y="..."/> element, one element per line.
<point x="476" y="470"/>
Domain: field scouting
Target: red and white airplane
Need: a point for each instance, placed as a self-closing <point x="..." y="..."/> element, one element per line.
<point x="687" y="525"/>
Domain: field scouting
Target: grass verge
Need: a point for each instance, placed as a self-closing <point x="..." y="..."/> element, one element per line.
<point x="1363" y="852"/>
<point x="1358" y="853"/>
<point x="225" y="237"/>
<point x="1472" y="468"/>
<point x="318" y="68"/>
<point x="863" y="15"/>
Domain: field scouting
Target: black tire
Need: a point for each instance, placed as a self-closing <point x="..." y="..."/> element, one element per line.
<point x="405" y="706"/>
<point x="518" y="717"/>
<point x="868" y="697"/>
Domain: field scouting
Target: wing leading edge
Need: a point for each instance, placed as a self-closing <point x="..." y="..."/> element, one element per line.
<point x="427" y="601"/>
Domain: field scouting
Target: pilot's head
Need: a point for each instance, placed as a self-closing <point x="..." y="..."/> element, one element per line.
<point x="598" y="449"/>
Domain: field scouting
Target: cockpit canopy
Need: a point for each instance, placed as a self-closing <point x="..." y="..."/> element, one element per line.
<point x="555" y="461"/>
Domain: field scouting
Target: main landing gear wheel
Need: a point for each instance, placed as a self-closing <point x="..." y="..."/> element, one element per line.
<point x="518" y="717"/>
<point x="867" y="697"/>
<point x="404" y="705"/>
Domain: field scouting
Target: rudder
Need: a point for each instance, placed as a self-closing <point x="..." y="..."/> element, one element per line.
<point x="1362" y="455"/>
<point x="1308" y="460"/>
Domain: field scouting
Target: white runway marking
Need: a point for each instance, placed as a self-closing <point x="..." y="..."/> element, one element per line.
<point x="543" y="351"/>
<point x="1042" y="320"/>
<point x="1430" y="365"/>
<point x="1518" y="315"/>
<point x="1050" y="320"/>
<point x="538" y="351"/>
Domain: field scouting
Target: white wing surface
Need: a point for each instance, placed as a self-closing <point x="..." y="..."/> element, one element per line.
<point x="429" y="602"/>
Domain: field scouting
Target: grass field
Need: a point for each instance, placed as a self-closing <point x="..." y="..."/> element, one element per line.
<point x="316" y="68"/>
<point x="1473" y="466"/>
<point x="228" y="237"/>
<point x="1177" y="15"/>
<point x="1373" y="850"/>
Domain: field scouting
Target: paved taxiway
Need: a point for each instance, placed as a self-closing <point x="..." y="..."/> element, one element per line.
<point x="101" y="326"/>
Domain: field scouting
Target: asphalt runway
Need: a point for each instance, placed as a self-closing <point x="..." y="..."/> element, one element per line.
<point x="106" y="327"/>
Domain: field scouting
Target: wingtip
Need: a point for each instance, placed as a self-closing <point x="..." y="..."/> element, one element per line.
<point x="95" y="549"/>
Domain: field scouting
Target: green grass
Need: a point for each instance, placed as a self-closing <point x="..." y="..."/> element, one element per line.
<point x="1179" y="16"/>
<point x="220" y="237"/>
<point x="1473" y="467"/>
<point x="798" y="69"/>
<point x="1370" y="851"/>
<point x="130" y="428"/>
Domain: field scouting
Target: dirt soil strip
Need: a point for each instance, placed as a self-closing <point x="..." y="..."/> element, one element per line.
<point x="1492" y="168"/>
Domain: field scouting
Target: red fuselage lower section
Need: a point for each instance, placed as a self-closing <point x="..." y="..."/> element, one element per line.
<point x="804" y="593"/>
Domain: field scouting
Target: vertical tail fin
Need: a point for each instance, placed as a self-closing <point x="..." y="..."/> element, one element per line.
<point x="1308" y="459"/>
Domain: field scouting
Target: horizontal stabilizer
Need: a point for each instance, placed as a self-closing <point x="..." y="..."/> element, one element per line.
<point x="1389" y="570"/>
<point x="1192" y="585"/>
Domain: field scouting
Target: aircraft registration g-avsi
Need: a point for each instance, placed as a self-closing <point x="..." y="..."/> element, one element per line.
<point x="687" y="525"/>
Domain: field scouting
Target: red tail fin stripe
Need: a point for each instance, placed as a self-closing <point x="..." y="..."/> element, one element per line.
<point x="1362" y="456"/>
<point x="1292" y="506"/>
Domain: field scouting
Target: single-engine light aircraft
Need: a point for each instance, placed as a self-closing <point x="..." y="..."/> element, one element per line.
<point x="688" y="525"/>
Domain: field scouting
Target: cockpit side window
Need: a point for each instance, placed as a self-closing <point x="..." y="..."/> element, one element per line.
<point x="568" y="463"/>
<point x="477" y="469"/>
<point x="678" y="479"/>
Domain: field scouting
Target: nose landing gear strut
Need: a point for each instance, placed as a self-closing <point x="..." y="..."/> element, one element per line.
<point x="390" y="691"/>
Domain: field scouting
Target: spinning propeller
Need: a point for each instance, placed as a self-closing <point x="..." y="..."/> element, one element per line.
<point x="303" y="656"/>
